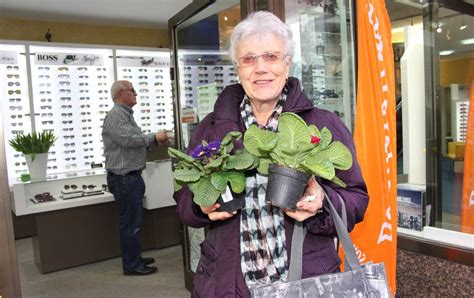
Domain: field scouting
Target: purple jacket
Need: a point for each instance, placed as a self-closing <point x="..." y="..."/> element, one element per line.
<point x="219" y="273"/>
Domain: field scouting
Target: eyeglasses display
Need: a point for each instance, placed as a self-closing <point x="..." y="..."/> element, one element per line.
<point x="71" y="99"/>
<point x="153" y="87"/>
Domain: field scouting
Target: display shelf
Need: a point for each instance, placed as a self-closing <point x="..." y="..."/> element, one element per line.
<point x="24" y="192"/>
<point x="157" y="175"/>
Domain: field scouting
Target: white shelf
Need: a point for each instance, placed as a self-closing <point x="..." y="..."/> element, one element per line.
<point x="158" y="179"/>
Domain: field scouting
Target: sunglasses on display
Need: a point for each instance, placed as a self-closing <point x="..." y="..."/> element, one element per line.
<point x="17" y="124"/>
<point x="13" y="84"/>
<point x="63" y="76"/>
<point x="218" y="68"/>
<point x="84" y="98"/>
<point x="81" y="68"/>
<point x="101" y="69"/>
<point x="11" y="92"/>
<point x="13" y="67"/>
<point x="13" y="76"/>
<point x="65" y="98"/>
<point x="45" y="92"/>
<point x="63" y="69"/>
<point x="66" y="106"/>
<point x="19" y="108"/>
<point x="67" y="137"/>
<point x="68" y="129"/>
<point x="70" y="158"/>
<point x="46" y="114"/>
<point x="43" y="68"/>
<point x="85" y="106"/>
<point x="46" y="100"/>
<point x="14" y="99"/>
<point x="16" y="116"/>
<point x="47" y="122"/>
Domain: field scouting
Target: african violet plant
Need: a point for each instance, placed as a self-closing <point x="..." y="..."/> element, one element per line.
<point x="299" y="146"/>
<point x="211" y="167"/>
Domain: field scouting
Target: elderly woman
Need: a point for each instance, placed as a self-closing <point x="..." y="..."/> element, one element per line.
<point x="252" y="246"/>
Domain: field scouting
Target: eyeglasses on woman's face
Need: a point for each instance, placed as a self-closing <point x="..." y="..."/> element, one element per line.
<point x="267" y="57"/>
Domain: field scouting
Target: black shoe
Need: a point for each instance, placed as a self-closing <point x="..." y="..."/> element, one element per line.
<point x="148" y="261"/>
<point x="144" y="270"/>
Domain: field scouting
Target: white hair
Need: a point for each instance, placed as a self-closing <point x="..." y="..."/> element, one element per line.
<point x="117" y="86"/>
<point x="261" y="24"/>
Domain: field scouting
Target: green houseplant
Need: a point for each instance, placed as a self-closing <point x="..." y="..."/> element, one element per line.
<point x="35" y="147"/>
<point x="211" y="168"/>
<point x="298" y="150"/>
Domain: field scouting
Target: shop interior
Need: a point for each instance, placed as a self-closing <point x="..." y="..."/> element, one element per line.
<point x="65" y="56"/>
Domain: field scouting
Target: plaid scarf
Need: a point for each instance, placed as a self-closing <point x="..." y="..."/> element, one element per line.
<point x="262" y="227"/>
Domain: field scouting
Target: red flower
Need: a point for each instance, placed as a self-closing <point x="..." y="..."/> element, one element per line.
<point x="315" y="140"/>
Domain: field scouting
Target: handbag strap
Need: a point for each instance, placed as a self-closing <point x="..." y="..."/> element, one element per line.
<point x="299" y="232"/>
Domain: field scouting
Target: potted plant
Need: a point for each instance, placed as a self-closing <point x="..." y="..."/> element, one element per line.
<point x="210" y="169"/>
<point x="292" y="154"/>
<point x="35" y="147"/>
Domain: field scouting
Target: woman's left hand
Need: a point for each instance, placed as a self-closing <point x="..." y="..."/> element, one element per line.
<point x="310" y="202"/>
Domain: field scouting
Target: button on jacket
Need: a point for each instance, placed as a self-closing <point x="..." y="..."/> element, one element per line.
<point x="219" y="273"/>
<point x="124" y="143"/>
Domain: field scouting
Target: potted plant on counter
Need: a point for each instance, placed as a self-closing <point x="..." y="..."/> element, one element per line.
<point x="212" y="173"/>
<point x="35" y="148"/>
<point x="292" y="154"/>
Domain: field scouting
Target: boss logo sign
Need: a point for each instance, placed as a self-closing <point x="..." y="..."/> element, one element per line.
<point x="40" y="57"/>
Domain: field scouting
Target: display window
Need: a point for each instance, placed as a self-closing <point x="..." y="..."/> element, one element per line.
<point x="433" y="52"/>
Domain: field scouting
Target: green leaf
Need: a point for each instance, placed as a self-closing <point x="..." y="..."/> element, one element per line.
<point x="263" y="166"/>
<point x="326" y="138"/>
<point x="339" y="155"/>
<point x="205" y="194"/>
<point x="338" y="181"/>
<point x="237" y="181"/>
<point x="215" y="164"/>
<point x="33" y="143"/>
<point x="219" y="180"/>
<point x="172" y="152"/>
<point x="230" y="136"/>
<point x="176" y="185"/>
<point x="187" y="175"/>
<point x="259" y="142"/>
<point x="314" y="131"/>
<point x="292" y="131"/>
<point x="321" y="168"/>
<point x="242" y="160"/>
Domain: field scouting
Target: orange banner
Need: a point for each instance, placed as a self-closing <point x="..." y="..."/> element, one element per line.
<point x="375" y="237"/>
<point x="467" y="210"/>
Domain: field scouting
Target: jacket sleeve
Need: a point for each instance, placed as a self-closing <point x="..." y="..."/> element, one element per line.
<point x="190" y="213"/>
<point x="354" y="194"/>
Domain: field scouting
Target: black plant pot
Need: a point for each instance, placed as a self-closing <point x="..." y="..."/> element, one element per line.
<point x="285" y="186"/>
<point x="237" y="202"/>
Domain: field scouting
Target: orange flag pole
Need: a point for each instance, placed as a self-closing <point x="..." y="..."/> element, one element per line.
<point x="375" y="238"/>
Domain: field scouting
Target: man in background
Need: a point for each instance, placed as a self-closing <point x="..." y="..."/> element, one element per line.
<point x="125" y="147"/>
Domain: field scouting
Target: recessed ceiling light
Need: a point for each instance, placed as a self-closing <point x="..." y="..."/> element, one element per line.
<point x="467" y="41"/>
<point x="446" y="53"/>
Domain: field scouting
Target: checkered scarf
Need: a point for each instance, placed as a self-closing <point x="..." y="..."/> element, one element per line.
<point x="262" y="227"/>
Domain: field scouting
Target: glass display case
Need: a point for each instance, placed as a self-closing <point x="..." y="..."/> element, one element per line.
<point x="324" y="54"/>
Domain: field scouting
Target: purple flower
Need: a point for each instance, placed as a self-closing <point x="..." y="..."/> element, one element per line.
<point x="198" y="152"/>
<point x="206" y="150"/>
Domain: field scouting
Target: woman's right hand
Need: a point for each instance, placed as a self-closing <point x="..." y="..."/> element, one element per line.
<point x="217" y="215"/>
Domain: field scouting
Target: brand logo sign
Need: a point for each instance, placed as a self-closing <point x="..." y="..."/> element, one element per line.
<point x="143" y="61"/>
<point x="7" y="57"/>
<point x="68" y="59"/>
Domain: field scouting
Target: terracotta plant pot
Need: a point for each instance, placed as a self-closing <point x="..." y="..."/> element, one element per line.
<point x="285" y="186"/>
<point x="231" y="201"/>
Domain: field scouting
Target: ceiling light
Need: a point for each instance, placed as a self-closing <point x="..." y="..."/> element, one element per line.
<point x="446" y="53"/>
<point x="467" y="41"/>
<point x="226" y="18"/>
<point x="438" y="29"/>
<point x="463" y="26"/>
